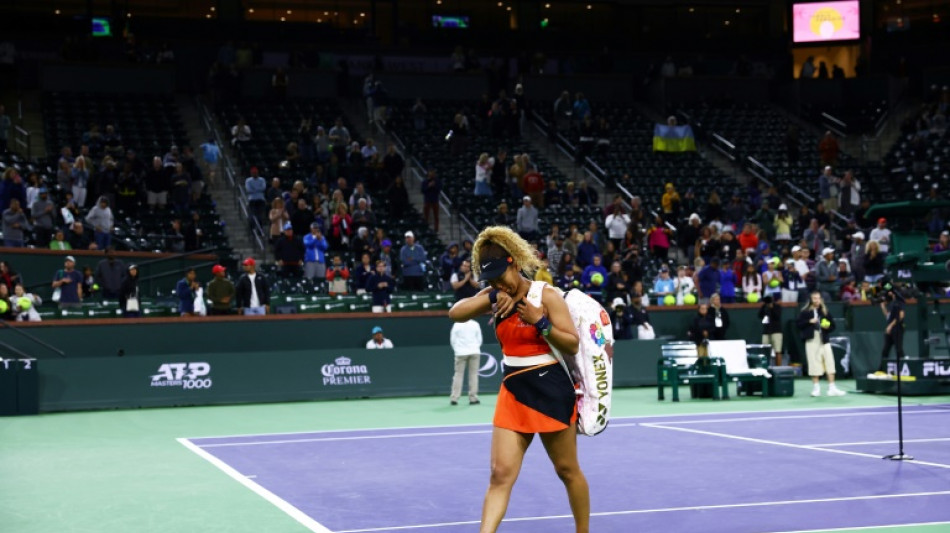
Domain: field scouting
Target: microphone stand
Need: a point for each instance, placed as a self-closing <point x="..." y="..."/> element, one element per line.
<point x="900" y="455"/>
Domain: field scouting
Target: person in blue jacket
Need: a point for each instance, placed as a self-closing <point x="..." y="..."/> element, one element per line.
<point x="595" y="290"/>
<point x="413" y="258"/>
<point x="727" y="283"/>
<point x="381" y="286"/>
<point x="315" y="253"/>
<point x="186" y="293"/>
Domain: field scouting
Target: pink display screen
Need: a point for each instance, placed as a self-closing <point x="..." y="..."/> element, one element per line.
<point x="826" y="21"/>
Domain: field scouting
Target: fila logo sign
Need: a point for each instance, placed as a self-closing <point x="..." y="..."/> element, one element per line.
<point x="936" y="368"/>
<point x="184" y="375"/>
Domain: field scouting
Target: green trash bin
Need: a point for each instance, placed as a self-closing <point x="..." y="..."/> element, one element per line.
<point x="27" y="387"/>
<point x="8" y="371"/>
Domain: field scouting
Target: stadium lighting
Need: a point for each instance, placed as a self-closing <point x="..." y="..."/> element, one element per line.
<point x="547" y="6"/>
<point x="56" y="12"/>
<point x="590" y="6"/>
<point x="250" y="10"/>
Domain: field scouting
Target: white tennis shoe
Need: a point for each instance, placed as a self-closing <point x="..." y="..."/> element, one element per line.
<point x="816" y="391"/>
<point x="835" y="391"/>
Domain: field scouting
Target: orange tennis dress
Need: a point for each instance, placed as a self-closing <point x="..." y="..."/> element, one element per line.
<point x="538" y="396"/>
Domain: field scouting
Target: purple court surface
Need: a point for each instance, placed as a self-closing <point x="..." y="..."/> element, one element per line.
<point x="730" y="473"/>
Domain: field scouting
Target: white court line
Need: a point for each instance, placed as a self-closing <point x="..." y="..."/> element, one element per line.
<point x="859" y="528"/>
<point x="662" y="510"/>
<point x="872" y="442"/>
<point x="799" y="417"/>
<point x="784" y="444"/>
<point x="892" y="409"/>
<point x="278" y="502"/>
<point x="355" y="437"/>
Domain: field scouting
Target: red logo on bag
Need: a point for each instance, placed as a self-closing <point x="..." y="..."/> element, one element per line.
<point x="604" y="318"/>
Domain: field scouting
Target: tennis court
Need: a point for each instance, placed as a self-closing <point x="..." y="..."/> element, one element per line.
<point x="746" y="465"/>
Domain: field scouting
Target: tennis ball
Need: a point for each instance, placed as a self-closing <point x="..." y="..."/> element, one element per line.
<point x="24" y="303"/>
<point x="669" y="299"/>
<point x="825" y="323"/>
<point x="597" y="278"/>
<point x="4" y="306"/>
<point x="95" y="286"/>
<point x="577" y="283"/>
<point x="752" y="297"/>
<point x="774" y="283"/>
<point x="689" y="299"/>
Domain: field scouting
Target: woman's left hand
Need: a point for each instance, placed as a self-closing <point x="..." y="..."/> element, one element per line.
<point x="529" y="313"/>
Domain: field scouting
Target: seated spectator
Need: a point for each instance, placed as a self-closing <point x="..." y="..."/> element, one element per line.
<point x="289" y="252"/>
<point x="59" y="241"/>
<point x="502" y="217"/>
<point x="552" y="195"/>
<point x="79" y="239"/>
<point x="361" y="242"/>
<point x="362" y="216"/>
<point x="338" y="276"/>
<point x="240" y="132"/>
<point x="568" y="280"/>
<point x="378" y="341"/>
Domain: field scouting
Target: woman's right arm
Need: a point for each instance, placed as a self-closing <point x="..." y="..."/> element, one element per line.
<point x="471" y="307"/>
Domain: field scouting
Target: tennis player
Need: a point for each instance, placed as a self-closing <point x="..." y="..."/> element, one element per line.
<point x="536" y="394"/>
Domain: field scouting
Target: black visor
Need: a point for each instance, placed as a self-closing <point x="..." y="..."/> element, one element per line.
<point x="494" y="268"/>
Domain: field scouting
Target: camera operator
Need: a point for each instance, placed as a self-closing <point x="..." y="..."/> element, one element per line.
<point x="893" y="308"/>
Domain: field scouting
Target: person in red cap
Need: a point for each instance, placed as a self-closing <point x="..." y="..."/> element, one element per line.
<point x="221" y="292"/>
<point x="882" y="235"/>
<point x="252" y="292"/>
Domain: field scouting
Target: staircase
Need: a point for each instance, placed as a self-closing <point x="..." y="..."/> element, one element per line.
<point x="223" y="194"/>
<point x="31" y="107"/>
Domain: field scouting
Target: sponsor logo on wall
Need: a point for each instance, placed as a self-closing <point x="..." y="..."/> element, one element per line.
<point x="489" y="365"/>
<point x="185" y="375"/>
<point x="343" y="372"/>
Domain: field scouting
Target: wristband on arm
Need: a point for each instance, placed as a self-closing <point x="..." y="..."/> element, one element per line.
<point x="493" y="297"/>
<point x="543" y="326"/>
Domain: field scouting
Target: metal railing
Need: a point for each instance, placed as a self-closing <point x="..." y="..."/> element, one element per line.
<point x="22" y="140"/>
<point x="31" y="337"/>
<point x="837" y="126"/>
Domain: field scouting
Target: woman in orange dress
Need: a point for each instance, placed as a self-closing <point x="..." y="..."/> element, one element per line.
<point x="536" y="395"/>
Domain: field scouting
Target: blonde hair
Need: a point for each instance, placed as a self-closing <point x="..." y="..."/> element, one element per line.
<point x="872" y="244"/>
<point x="504" y="237"/>
<point x="824" y="308"/>
<point x="483" y="158"/>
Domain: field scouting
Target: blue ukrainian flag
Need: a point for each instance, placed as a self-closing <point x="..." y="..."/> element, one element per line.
<point x="673" y="139"/>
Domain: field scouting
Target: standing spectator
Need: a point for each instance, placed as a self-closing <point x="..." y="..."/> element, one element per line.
<point x="338" y="277"/>
<point x="748" y="238"/>
<point x="220" y="291"/>
<point x="412" y="256"/>
<point x="362" y="272"/>
<point x="684" y="285"/>
<point x="882" y="235"/>
<point x="770" y="315"/>
<point x="381" y="285"/>
<point x="252" y="292"/>
<point x="617" y="223"/>
<point x="563" y="110"/>
<point x="772" y="279"/>
<point x="727" y="283"/>
<point x="826" y="183"/>
<point x="641" y="319"/>
<point x="80" y="181"/>
<point x="449" y="263"/>
<point x="289" y="252"/>
<point x="210" y="160"/>
<point x="102" y="221"/>
<point x="828" y="149"/>
<point x="483" y="171"/>
<point x="708" y="278"/>
<point x="111" y="274"/>
<point x="431" y="189"/>
<point x="815" y="326"/>
<point x="12" y="187"/>
<point x="586" y="251"/>
<point x="850" y="194"/>
<point x="315" y="259"/>
<point x="339" y="137"/>
<point x="783" y="222"/>
<point x="816" y="237"/>
<point x="378" y="342"/>
<point x="499" y="172"/>
<point x="180" y="190"/>
<point x="466" y="341"/>
<point x="156" y="185"/>
<point x="15" y="224"/>
<point x="185" y="289"/>
<point x="527" y="220"/>
<point x="463" y="281"/>
<point x="130" y="299"/>
<point x="663" y="286"/>
<point x="670" y="201"/>
<point x="398" y="196"/>
<point x="254" y="187"/>
<point x="826" y="271"/>
<point x="278" y="217"/>
<point x="68" y="281"/>
<point x="341" y="228"/>
<point x="658" y="239"/>
<point x="751" y="282"/>
<point x="393" y="163"/>
<point x="43" y="212"/>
